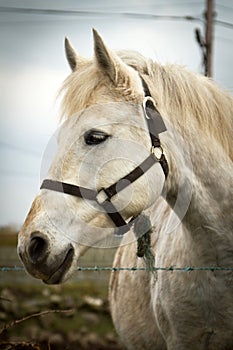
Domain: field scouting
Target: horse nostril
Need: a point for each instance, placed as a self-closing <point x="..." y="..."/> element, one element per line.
<point x="37" y="249"/>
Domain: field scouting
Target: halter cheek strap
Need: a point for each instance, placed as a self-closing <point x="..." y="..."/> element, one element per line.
<point x="103" y="197"/>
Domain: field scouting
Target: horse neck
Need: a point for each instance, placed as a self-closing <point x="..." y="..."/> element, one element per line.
<point x="202" y="184"/>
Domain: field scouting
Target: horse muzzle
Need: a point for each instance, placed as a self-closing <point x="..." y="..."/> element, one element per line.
<point x="40" y="262"/>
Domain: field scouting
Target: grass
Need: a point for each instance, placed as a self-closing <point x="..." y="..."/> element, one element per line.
<point x="17" y="302"/>
<point x="8" y="236"/>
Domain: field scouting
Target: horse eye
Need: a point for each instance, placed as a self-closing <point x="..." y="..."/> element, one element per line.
<point x="94" y="137"/>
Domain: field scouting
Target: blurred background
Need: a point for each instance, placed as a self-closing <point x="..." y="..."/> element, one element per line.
<point x="32" y="69"/>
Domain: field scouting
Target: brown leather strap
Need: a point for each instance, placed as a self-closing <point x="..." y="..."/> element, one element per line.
<point x="125" y="181"/>
<point x="82" y="192"/>
<point x="155" y="121"/>
<point x="73" y="190"/>
<point x="155" y="126"/>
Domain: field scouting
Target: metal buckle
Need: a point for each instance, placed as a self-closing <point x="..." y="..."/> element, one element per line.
<point x="157" y="152"/>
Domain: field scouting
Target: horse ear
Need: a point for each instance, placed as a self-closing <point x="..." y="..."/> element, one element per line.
<point x="73" y="58"/>
<point x="104" y="58"/>
<point x="109" y="63"/>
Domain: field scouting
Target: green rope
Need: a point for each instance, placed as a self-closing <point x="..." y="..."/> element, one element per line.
<point x="143" y="224"/>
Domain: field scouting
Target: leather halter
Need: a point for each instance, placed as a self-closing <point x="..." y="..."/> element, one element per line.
<point x="103" y="196"/>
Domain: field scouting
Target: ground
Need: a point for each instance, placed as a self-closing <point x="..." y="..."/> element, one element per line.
<point x="72" y="316"/>
<point x="56" y="318"/>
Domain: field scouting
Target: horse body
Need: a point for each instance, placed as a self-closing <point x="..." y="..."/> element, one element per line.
<point x="167" y="310"/>
<point x="173" y="310"/>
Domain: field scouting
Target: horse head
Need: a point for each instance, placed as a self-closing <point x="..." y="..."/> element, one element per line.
<point x="104" y="138"/>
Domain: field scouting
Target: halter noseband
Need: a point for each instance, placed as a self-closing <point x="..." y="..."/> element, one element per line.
<point x="103" y="197"/>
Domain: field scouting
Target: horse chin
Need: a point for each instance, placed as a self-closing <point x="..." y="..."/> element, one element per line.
<point x="57" y="278"/>
<point x="63" y="272"/>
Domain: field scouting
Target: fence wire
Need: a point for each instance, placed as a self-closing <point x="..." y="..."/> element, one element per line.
<point x="108" y="268"/>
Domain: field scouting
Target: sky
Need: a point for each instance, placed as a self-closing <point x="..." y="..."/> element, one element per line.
<point x="33" y="67"/>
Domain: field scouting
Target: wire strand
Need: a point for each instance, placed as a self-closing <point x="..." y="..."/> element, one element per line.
<point x="108" y="268"/>
<point x="80" y="13"/>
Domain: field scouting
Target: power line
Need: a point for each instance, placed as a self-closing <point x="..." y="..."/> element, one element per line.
<point x="173" y="3"/>
<point x="224" y="24"/>
<point x="79" y="13"/>
<point x="94" y="13"/>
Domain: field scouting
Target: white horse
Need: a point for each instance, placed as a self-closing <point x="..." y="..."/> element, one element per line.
<point x="104" y="137"/>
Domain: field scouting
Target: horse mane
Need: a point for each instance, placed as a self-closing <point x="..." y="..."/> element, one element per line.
<point x="187" y="98"/>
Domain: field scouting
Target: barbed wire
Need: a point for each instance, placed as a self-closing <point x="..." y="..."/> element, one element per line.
<point x="133" y="268"/>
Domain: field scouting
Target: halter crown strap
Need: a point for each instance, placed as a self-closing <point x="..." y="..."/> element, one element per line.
<point x="155" y="125"/>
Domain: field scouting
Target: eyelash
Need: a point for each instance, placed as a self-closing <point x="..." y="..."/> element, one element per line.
<point x="95" y="137"/>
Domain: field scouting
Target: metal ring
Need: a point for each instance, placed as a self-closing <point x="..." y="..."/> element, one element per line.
<point x="160" y="148"/>
<point x="147" y="98"/>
